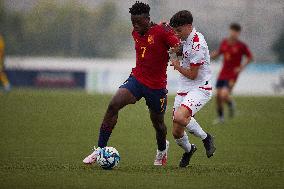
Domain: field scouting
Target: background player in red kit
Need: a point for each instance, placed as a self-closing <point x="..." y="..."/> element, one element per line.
<point x="233" y="51"/>
<point x="148" y="79"/>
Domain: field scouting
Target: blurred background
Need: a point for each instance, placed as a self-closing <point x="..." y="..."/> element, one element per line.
<point x="87" y="44"/>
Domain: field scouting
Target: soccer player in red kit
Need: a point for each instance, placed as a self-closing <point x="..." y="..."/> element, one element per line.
<point x="233" y="51"/>
<point x="148" y="79"/>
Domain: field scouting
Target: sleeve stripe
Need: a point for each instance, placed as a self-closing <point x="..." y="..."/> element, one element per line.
<point x="182" y="94"/>
<point x="196" y="64"/>
<point x="206" y="88"/>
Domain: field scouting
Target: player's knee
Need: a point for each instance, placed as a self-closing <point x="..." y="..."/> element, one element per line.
<point x="159" y="126"/>
<point x="113" y="107"/>
<point x="180" y="118"/>
<point x="223" y="94"/>
<point x="177" y="132"/>
<point x="219" y="91"/>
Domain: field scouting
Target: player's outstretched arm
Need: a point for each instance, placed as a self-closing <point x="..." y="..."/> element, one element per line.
<point x="244" y="64"/>
<point x="214" y="54"/>
<point x="217" y="52"/>
<point x="172" y="40"/>
<point x="248" y="55"/>
<point x="248" y="59"/>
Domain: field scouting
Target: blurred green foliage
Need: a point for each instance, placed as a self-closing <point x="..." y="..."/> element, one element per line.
<point x="68" y="29"/>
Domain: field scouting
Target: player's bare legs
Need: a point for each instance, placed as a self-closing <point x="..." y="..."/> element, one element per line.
<point x="122" y="98"/>
<point x="148" y="78"/>
<point x="161" y="134"/>
<point x="229" y="100"/>
<point x="161" y="129"/>
<point x="182" y="120"/>
<point x="224" y="96"/>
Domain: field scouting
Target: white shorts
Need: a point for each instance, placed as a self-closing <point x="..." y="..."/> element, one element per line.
<point x="194" y="100"/>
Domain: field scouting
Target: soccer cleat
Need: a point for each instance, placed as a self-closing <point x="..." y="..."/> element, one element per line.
<point x="92" y="157"/>
<point x="209" y="145"/>
<point x="162" y="156"/>
<point x="219" y="120"/>
<point x="184" y="162"/>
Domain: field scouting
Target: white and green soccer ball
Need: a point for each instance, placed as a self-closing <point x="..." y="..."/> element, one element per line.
<point x="108" y="157"/>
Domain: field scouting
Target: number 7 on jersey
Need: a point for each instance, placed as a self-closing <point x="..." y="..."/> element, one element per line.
<point x="143" y="51"/>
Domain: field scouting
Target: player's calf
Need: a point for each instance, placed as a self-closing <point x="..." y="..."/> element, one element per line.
<point x="220" y="109"/>
<point x="161" y="134"/>
<point x="232" y="108"/>
<point x="160" y="128"/>
<point x="177" y="131"/>
<point x="194" y="128"/>
<point x="180" y="120"/>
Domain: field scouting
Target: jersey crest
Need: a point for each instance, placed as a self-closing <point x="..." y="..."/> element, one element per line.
<point x="195" y="43"/>
<point x="235" y="50"/>
<point x="196" y="47"/>
<point x="151" y="39"/>
<point x="136" y="40"/>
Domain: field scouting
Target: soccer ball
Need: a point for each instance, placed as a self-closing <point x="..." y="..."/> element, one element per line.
<point x="108" y="157"/>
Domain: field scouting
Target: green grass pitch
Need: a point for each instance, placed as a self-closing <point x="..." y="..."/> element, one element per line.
<point x="44" y="135"/>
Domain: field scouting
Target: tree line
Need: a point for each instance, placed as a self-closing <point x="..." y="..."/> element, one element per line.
<point x="72" y="29"/>
<point x="68" y="29"/>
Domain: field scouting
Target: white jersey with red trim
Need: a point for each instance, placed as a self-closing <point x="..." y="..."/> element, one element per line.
<point x="195" y="53"/>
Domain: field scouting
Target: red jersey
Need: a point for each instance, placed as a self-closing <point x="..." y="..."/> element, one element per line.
<point x="233" y="54"/>
<point x="152" y="55"/>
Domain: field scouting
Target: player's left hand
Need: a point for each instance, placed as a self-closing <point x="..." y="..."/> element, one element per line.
<point x="238" y="69"/>
<point x="175" y="63"/>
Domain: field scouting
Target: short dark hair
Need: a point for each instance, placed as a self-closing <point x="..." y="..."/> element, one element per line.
<point x="139" y="8"/>
<point x="181" y="18"/>
<point x="236" y="27"/>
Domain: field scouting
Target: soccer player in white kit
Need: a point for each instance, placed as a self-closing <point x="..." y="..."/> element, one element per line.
<point x="195" y="88"/>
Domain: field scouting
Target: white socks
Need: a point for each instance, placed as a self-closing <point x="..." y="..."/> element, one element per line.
<point x="183" y="142"/>
<point x="194" y="128"/>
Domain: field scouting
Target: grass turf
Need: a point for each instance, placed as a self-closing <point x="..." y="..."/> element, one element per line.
<point x="45" y="135"/>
